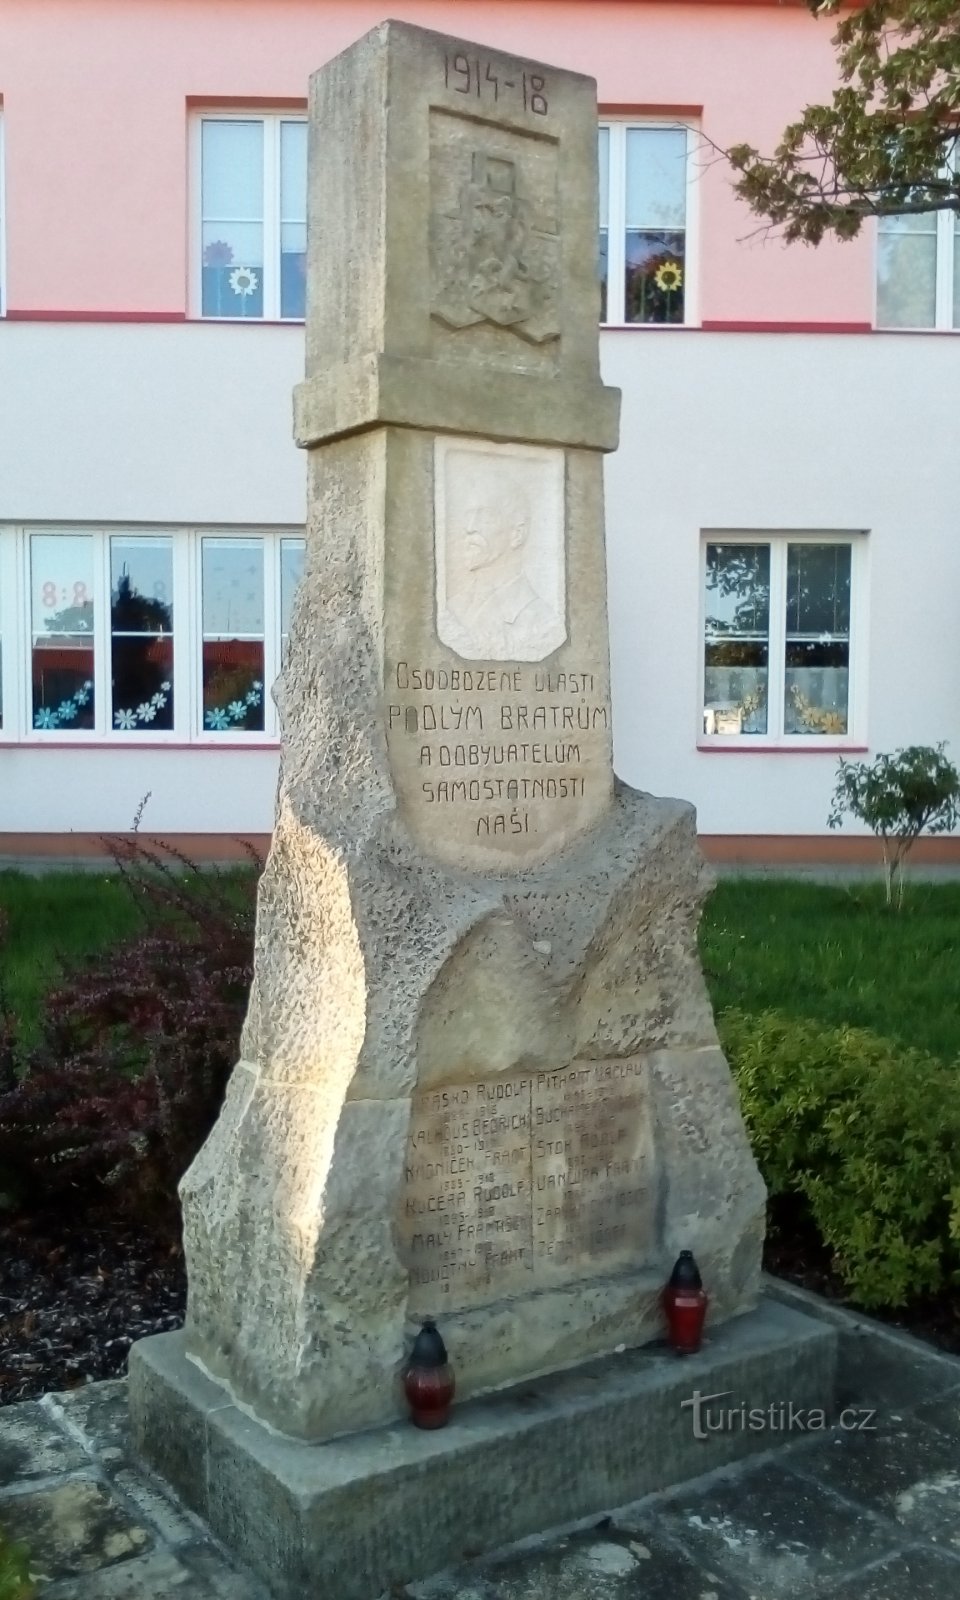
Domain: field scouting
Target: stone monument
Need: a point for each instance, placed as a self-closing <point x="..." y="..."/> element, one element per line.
<point x="479" y="1076"/>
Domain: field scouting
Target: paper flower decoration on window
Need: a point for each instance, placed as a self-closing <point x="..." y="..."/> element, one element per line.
<point x="243" y="281"/>
<point x="67" y="710"/>
<point x="669" y="276"/>
<point x="218" y="254"/>
<point x="220" y="717"/>
<point x="144" y="713"/>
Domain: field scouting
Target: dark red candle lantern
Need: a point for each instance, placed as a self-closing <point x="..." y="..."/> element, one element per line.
<point x="685" y="1303"/>
<point x="428" y="1381"/>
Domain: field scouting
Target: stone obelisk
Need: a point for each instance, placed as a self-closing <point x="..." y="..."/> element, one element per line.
<point x="479" y="1076"/>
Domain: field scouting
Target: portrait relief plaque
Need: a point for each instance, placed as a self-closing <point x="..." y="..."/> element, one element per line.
<point x="499" y="541"/>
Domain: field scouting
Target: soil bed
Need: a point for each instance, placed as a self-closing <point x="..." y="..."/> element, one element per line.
<point x="73" y="1298"/>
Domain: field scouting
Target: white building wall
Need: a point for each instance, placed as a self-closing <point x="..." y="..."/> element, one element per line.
<point x="170" y="424"/>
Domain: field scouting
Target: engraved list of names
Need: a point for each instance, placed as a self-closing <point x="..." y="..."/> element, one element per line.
<point x="525" y="1180"/>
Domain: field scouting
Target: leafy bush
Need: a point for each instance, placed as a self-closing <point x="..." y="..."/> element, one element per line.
<point x="15" y="1580"/>
<point x="899" y="796"/>
<point x="868" y="1134"/>
<point x="135" y="1049"/>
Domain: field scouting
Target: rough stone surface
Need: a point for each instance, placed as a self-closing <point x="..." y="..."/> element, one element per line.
<point x="479" y="1072"/>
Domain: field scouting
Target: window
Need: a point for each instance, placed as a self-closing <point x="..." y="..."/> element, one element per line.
<point x="166" y="634"/>
<point x="645" y="222"/>
<point x="918" y="267"/>
<point x="777" y="661"/>
<point x="62" y="619"/>
<point x="253" y="217"/>
<point x="918" y="271"/>
<point x="233" y="634"/>
<point x="141" y="633"/>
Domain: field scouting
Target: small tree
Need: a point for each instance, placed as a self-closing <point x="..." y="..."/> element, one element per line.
<point x="899" y="796"/>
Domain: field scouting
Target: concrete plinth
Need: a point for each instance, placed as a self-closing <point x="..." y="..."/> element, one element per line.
<point x="353" y="1516"/>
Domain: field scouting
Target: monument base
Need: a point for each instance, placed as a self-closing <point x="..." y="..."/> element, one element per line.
<point x="358" y="1514"/>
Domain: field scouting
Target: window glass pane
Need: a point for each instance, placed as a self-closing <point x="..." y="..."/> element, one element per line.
<point x="1" y="657"/>
<point x="232" y="611"/>
<point x="654" y="277"/>
<point x="61" y="612"/>
<point x="232" y="232"/>
<point x="656" y="177"/>
<point x="293" y="218"/>
<point x="906" y="279"/>
<point x="141" y="626"/>
<point x="232" y="175"/>
<point x="737" y="644"/>
<point x="604" y="155"/>
<point x="292" y="553"/>
<point x="816" y="683"/>
<point x="956" y="271"/>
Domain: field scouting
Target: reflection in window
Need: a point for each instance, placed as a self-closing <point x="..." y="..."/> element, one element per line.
<point x="737" y="653"/>
<point x="291" y="571"/>
<point x="141" y="633"/>
<point x="232" y="634"/>
<point x="61" y="621"/>
<point x="817" y="659"/>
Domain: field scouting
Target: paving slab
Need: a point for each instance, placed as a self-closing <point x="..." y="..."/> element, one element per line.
<point x="906" y="1470"/>
<point x="157" y="1576"/>
<point x="601" y="1563"/>
<point x="783" y="1537"/>
<point x="73" y="1528"/>
<point x="912" y="1575"/>
<point x="99" y="1414"/>
<point x="33" y="1446"/>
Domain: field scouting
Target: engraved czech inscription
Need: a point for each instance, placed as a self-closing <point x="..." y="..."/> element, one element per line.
<point x="523" y="1181"/>
<point x="499" y="542"/>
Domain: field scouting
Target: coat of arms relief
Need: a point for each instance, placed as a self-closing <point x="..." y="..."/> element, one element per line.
<point x="496" y="254"/>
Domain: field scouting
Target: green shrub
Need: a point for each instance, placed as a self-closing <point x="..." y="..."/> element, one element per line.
<point x="15" y="1581"/>
<point x="868" y="1134"/>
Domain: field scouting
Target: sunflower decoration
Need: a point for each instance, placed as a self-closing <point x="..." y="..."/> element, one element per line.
<point x="243" y="281"/>
<point x="669" y="277"/>
<point x="217" y="254"/>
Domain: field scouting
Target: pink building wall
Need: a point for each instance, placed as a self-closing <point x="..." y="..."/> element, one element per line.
<point x="96" y="97"/>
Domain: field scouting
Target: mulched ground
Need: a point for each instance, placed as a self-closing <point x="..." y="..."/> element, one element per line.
<point x="794" y="1251"/>
<point x="74" y="1296"/>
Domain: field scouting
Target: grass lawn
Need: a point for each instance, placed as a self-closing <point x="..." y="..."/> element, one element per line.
<point x="836" y="955"/>
<point x="55" y="920"/>
<point x="833" y="954"/>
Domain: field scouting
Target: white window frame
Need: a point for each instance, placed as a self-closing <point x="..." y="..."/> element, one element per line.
<point x="778" y="540"/>
<point x="16" y="637"/>
<point x="271" y="121"/>
<point x="616" y="221"/>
